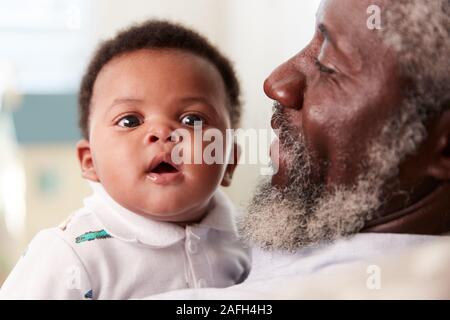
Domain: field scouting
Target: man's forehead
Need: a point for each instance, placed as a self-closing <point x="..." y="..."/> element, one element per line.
<point x="344" y="15"/>
<point x="354" y="9"/>
<point x="344" y="22"/>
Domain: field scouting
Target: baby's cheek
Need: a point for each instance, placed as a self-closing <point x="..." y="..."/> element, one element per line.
<point x="209" y="176"/>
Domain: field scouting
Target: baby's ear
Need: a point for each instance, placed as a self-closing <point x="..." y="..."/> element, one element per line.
<point x="86" y="161"/>
<point x="231" y="166"/>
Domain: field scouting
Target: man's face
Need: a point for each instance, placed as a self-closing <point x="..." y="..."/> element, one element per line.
<point x="337" y="92"/>
<point x="344" y="130"/>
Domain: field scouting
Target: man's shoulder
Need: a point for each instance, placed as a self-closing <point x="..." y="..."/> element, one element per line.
<point x="317" y="258"/>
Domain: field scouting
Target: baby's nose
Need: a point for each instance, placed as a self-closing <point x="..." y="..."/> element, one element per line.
<point x="157" y="137"/>
<point x="159" y="134"/>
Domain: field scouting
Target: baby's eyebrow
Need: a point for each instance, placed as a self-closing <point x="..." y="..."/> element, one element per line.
<point x="196" y="100"/>
<point x="119" y="101"/>
<point x="202" y="101"/>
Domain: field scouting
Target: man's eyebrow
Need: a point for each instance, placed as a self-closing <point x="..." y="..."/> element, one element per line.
<point x="347" y="51"/>
<point x="324" y="31"/>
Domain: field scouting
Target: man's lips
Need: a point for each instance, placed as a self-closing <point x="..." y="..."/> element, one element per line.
<point x="275" y="121"/>
<point x="274" y="151"/>
<point x="162" y="170"/>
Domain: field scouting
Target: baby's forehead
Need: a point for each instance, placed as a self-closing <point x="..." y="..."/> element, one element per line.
<point x="150" y="61"/>
<point x="161" y="75"/>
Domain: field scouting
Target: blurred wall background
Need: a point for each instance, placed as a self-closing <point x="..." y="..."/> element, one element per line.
<point x="45" y="46"/>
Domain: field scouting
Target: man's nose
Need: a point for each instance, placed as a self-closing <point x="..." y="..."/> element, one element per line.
<point x="286" y="85"/>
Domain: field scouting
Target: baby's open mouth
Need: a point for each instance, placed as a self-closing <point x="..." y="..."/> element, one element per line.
<point x="164" y="167"/>
<point x="163" y="171"/>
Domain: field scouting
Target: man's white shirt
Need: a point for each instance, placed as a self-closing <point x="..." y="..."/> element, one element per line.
<point x="335" y="270"/>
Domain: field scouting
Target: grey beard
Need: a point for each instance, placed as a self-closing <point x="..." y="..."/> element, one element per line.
<point x="302" y="213"/>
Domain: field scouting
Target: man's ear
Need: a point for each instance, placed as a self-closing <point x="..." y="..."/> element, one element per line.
<point x="439" y="168"/>
<point x="86" y="162"/>
<point x="228" y="176"/>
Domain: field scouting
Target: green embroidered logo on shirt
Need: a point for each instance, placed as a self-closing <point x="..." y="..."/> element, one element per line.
<point x="92" y="235"/>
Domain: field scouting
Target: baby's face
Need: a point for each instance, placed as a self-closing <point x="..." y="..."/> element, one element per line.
<point x="139" y="99"/>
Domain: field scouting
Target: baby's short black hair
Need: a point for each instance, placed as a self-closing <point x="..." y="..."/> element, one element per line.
<point x="157" y="34"/>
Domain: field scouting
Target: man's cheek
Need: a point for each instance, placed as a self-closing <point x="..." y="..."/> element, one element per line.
<point x="317" y="131"/>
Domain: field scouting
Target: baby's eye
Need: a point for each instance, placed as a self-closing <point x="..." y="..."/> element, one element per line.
<point x="129" y="121"/>
<point x="191" y="119"/>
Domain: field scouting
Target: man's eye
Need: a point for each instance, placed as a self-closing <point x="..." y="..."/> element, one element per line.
<point x="191" y="119"/>
<point x="324" y="69"/>
<point x="129" y="121"/>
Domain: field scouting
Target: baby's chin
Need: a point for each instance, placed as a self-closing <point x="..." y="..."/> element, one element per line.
<point x="173" y="211"/>
<point x="180" y="203"/>
<point x="182" y="218"/>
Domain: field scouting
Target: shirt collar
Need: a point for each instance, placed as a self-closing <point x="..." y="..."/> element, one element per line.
<point x="126" y="225"/>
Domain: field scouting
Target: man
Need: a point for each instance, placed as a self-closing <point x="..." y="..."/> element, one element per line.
<point x="365" y="128"/>
<point x="364" y="146"/>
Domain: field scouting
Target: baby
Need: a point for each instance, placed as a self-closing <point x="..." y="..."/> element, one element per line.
<point x="152" y="224"/>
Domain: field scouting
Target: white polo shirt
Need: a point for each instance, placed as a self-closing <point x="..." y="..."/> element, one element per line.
<point x="105" y="251"/>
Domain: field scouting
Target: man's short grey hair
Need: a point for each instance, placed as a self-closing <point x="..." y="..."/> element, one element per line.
<point x="419" y="31"/>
